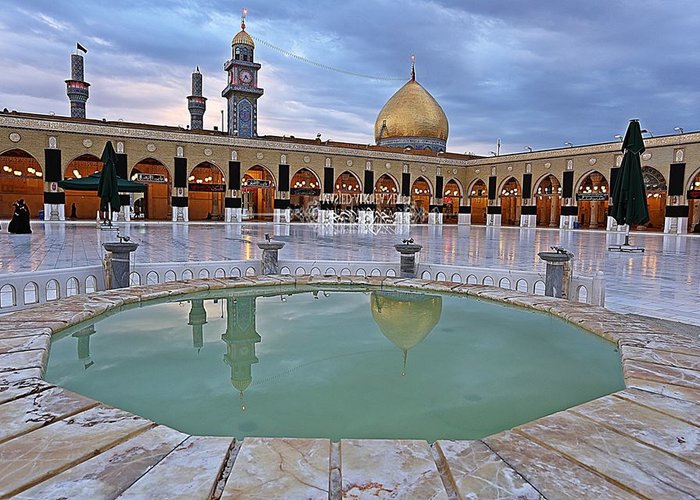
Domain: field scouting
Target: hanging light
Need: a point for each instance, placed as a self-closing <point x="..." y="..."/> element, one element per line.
<point x="38" y="174"/>
<point x="31" y="170"/>
<point x="7" y="168"/>
<point x="76" y="173"/>
<point x="17" y="173"/>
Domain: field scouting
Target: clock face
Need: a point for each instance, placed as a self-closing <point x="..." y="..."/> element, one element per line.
<point x="245" y="76"/>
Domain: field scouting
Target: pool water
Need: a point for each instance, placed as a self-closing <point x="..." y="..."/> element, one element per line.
<point x="381" y="364"/>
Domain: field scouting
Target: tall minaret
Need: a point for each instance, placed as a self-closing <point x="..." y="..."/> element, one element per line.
<point x="196" y="103"/>
<point x="77" y="88"/>
<point x="242" y="91"/>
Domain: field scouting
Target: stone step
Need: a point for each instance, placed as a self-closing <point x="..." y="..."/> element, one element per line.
<point x="280" y="468"/>
<point x="190" y="471"/>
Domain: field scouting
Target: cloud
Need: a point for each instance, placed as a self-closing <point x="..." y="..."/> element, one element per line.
<point x="535" y="73"/>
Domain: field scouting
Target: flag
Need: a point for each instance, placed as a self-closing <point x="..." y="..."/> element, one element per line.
<point x="80" y="47"/>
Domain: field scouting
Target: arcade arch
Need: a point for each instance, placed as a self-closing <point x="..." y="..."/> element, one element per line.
<point x="304" y="192"/>
<point x="655" y="186"/>
<point x="155" y="203"/>
<point x="451" y="200"/>
<point x="511" y="199"/>
<point x="87" y="203"/>
<point x="21" y="176"/>
<point x="592" y="198"/>
<point x="478" y="200"/>
<point x="548" y="201"/>
<point x="386" y="191"/>
<point x="348" y="188"/>
<point x="693" y="194"/>
<point x="258" y="193"/>
<point x="421" y="194"/>
<point x="206" y="185"/>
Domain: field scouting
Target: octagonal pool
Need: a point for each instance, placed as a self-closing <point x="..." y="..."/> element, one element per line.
<point x="366" y="363"/>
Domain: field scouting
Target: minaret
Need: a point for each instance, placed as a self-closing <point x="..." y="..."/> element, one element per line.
<point x="196" y="103"/>
<point x="242" y="91"/>
<point x="77" y="88"/>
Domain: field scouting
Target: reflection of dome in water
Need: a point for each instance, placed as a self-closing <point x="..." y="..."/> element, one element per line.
<point x="405" y="318"/>
<point x="412" y="118"/>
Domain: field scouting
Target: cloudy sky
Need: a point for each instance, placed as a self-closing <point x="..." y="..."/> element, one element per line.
<point x="535" y="73"/>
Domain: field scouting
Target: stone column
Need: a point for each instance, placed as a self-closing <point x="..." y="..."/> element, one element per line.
<point x="270" y="250"/>
<point x="553" y="217"/>
<point x="555" y="284"/>
<point x="408" y="251"/>
<point x="118" y="263"/>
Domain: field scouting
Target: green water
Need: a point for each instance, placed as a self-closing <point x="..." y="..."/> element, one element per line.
<point x="322" y="367"/>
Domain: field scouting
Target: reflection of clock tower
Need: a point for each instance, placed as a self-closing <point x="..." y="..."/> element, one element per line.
<point x="242" y="91"/>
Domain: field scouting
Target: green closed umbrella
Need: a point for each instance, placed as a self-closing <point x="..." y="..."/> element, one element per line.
<point x="108" y="189"/>
<point x="629" y="198"/>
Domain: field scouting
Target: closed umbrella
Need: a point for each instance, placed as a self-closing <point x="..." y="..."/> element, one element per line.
<point x="108" y="189"/>
<point x="629" y="199"/>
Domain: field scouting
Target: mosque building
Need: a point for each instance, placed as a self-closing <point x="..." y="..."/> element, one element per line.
<point x="407" y="176"/>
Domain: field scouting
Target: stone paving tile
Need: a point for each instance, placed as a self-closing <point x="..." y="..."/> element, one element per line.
<point x="10" y="377"/>
<point x="661" y="387"/>
<point x="45" y="452"/>
<point x="477" y="472"/>
<point x="654" y="428"/>
<point x="18" y="328"/>
<point x="679" y="360"/>
<point x="280" y="468"/>
<point x="24" y="343"/>
<point x="639" y="467"/>
<point x="660" y="373"/>
<point x="378" y="468"/>
<point x="108" y="474"/>
<point x="18" y="388"/>
<point x="663" y="343"/>
<point x="21" y="360"/>
<point x="682" y="410"/>
<point x="188" y="472"/>
<point x="551" y="473"/>
<point x="36" y="410"/>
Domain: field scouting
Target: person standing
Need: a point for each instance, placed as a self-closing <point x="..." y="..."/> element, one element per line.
<point x="20" y="219"/>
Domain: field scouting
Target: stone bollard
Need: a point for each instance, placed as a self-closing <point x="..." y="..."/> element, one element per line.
<point x="118" y="263"/>
<point x="408" y="251"/>
<point x="269" y="257"/>
<point x="555" y="283"/>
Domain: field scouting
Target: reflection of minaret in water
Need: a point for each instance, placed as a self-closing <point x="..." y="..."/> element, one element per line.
<point x="197" y="318"/>
<point x="240" y="338"/>
<point x="405" y="319"/>
<point x="83" y="337"/>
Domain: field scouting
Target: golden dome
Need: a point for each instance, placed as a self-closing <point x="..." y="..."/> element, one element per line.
<point x="411" y="112"/>
<point x="405" y="318"/>
<point x="242" y="38"/>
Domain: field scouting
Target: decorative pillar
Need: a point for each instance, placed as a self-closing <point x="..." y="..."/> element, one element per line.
<point x="408" y="251"/>
<point x="557" y="277"/>
<point x="117" y="263"/>
<point x="270" y="260"/>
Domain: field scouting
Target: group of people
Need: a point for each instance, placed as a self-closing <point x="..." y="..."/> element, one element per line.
<point x="20" y="219"/>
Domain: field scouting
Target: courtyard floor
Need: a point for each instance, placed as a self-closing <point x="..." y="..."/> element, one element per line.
<point x="663" y="282"/>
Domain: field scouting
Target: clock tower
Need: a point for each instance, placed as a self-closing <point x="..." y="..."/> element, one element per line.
<point x="242" y="91"/>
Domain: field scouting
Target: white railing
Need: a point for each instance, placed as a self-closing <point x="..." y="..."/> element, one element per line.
<point x="21" y="290"/>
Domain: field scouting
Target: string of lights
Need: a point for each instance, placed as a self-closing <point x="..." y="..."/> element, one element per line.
<point x="323" y="66"/>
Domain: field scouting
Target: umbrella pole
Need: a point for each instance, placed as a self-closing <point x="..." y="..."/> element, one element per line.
<point x="627" y="235"/>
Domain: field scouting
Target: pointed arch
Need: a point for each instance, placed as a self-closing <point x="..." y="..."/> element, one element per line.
<point x="258" y="188"/>
<point x="21" y="176"/>
<point x="206" y="189"/>
<point x="155" y="203"/>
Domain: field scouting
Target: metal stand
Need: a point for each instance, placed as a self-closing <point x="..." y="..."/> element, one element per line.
<point x="626" y="247"/>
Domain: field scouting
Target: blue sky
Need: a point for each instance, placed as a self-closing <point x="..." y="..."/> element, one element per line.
<point x="537" y="73"/>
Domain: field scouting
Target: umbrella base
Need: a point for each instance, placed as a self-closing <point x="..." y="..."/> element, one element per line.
<point x="625" y="248"/>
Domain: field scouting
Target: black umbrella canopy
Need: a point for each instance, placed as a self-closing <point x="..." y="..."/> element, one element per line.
<point x="108" y="189"/>
<point x="629" y="200"/>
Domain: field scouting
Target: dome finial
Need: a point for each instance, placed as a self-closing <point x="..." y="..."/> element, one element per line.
<point x="244" y="13"/>
<point x="413" y="67"/>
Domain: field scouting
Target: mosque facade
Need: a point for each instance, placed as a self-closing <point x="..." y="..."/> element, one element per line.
<point x="408" y="176"/>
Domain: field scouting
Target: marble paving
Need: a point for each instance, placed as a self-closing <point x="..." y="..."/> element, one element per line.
<point x="663" y="282"/>
<point x="640" y="442"/>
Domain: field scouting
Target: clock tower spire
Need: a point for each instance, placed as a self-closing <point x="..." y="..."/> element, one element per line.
<point x="242" y="91"/>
